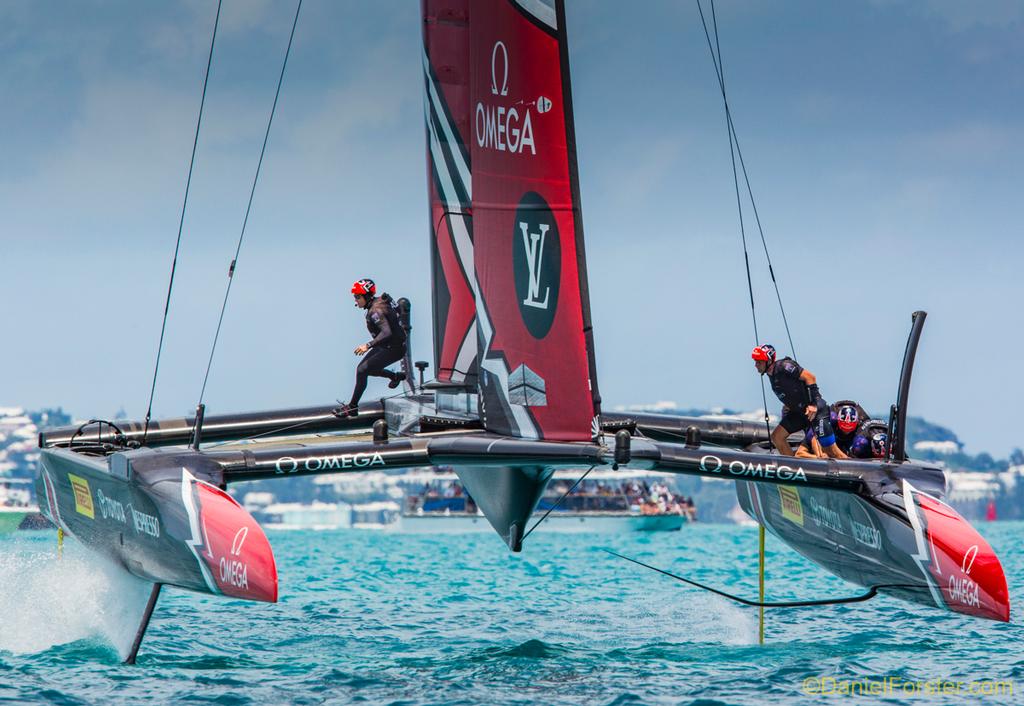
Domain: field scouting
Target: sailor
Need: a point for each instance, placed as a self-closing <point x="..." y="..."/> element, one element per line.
<point x="386" y="347"/>
<point x="863" y="444"/>
<point x="849" y="428"/>
<point x="847" y="418"/>
<point x="810" y="448"/>
<point x="872" y="440"/>
<point x="803" y="405"/>
<point x="879" y="445"/>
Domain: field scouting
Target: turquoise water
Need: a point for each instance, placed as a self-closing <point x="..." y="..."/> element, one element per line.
<point x="389" y="618"/>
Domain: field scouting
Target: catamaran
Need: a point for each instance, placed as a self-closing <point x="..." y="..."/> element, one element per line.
<point x="515" y="396"/>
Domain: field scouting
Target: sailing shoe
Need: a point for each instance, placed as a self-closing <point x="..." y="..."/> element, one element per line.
<point x="396" y="380"/>
<point x="345" y="410"/>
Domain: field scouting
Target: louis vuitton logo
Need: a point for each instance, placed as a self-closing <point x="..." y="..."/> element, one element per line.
<point x="533" y="243"/>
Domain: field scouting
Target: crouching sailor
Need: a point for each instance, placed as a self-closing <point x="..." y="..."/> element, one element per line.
<point x="386" y="347"/>
<point x="803" y="405"/>
<point x="848" y="422"/>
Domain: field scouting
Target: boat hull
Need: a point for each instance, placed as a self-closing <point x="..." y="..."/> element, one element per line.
<point x="911" y="542"/>
<point x="163" y="524"/>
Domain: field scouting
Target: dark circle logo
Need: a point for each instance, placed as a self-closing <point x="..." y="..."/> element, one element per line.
<point x="536" y="263"/>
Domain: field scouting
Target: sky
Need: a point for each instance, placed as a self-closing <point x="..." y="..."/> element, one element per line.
<point x="883" y="140"/>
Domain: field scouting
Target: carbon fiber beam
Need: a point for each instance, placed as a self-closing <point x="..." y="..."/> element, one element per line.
<point x="178" y="430"/>
<point x="736" y="433"/>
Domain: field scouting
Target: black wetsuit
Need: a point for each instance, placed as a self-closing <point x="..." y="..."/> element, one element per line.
<point x="795" y="396"/>
<point x="387" y="346"/>
<point x="852" y="444"/>
<point x="861" y="446"/>
<point x="857" y="443"/>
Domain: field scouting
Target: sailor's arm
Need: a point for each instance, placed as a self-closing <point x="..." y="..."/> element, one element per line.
<point x="385" y="333"/>
<point x="813" y="395"/>
<point x="815" y="450"/>
<point x="382" y="335"/>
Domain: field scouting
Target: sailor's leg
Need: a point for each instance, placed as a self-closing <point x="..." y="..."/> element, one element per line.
<point x="779" y="439"/>
<point x="792" y="421"/>
<point x="826" y="434"/>
<point x="375" y="362"/>
<point x="361" y="375"/>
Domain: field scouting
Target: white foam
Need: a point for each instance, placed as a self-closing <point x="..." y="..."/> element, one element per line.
<point x="726" y="622"/>
<point x="46" y="601"/>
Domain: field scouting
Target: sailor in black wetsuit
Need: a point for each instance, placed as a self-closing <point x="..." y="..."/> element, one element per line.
<point x="848" y="422"/>
<point x="803" y="405"/>
<point x="386" y="347"/>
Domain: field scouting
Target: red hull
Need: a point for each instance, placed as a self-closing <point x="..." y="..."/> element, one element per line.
<point x="964" y="572"/>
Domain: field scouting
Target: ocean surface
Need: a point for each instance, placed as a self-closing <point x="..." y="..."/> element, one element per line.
<point x="413" y="619"/>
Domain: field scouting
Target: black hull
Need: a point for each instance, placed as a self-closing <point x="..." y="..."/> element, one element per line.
<point x="876" y="542"/>
<point x="161" y="519"/>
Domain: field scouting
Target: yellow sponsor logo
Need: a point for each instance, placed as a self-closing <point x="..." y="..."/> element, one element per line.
<point x="792" y="510"/>
<point x="83" y="496"/>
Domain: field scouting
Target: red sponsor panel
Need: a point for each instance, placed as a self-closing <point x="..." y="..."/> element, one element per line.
<point x="967" y="571"/>
<point x="235" y="549"/>
<point x="447" y="116"/>
<point x="535" y="378"/>
<point x="458" y="344"/>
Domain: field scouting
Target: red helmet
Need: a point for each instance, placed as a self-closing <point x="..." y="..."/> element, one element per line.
<point x="366" y="287"/>
<point x="848" y="418"/>
<point x="764" y="353"/>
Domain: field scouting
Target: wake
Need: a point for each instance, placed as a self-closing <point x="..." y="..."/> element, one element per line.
<point x="46" y="601"/>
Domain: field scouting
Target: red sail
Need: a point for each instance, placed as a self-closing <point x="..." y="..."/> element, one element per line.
<point x="510" y="283"/>
<point x="447" y="113"/>
<point x="533" y="313"/>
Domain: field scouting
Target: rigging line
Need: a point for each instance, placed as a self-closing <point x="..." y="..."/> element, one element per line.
<point x="734" y="140"/>
<point x="746" y="177"/>
<point x="558" y="502"/>
<point x="248" y="208"/>
<point x="764" y="244"/>
<point x="872" y="590"/>
<point x="767" y="419"/>
<point x="181" y="224"/>
<point x="732" y="154"/>
<point x="716" y="59"/>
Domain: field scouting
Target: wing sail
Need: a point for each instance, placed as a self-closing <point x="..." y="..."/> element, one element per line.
<point x="533" y="312"/>
<point x="447" y="115"/>
<point x="510" y="283"/>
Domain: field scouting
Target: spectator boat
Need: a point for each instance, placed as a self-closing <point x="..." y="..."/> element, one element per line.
<point x="608" y="502"/>
<point x="16" y="508"/>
